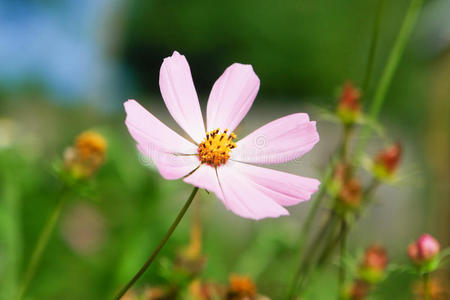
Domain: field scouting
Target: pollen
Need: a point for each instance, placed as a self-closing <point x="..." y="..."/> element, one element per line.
<point x="216" y="148"/>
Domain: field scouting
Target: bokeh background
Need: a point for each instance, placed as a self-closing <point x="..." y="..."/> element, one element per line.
<point x="67" y="66"/>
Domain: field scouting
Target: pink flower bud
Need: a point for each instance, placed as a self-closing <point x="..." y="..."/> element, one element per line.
<point x="424" y="249"/>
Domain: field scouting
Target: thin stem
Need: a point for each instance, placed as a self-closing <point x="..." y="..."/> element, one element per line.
<point x="304" y="262"/>
<point x="373" y="46"/>
<point x="348" y="129"/>
<point x="315" y="206"/>
<point x="367" y="199"/>
<point x="160" y="245"/>
<point x="316" y="201"/>
<point x="343" y="253"/>
<point x="388" y="72"/>
<point x="310" y="262"/>
<point x="426" y="286"/>
<point x="41" y="245"/>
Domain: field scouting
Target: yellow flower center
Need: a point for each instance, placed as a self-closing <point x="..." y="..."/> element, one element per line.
<point x="215" y="149"/>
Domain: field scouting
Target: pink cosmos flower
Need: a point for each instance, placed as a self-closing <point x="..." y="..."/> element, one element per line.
<point x="212" y="160"/>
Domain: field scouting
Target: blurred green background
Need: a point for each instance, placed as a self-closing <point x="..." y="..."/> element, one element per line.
<point x="67" y="66"/>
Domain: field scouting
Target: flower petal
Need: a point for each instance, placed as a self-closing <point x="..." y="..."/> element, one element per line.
<point x="284" y="188"/>
<point x="205" y="177"/>
<point x="170" y="166"/>
<point x="279" y="141"/>
<point x="178" y="92"/>
<point x="245" y="198"/>
<point x="231" y="97"/>
<point x="148" y="130"/>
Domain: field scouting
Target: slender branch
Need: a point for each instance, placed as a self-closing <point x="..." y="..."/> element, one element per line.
<point x="388" y="72"/>
<point x="315" y="206"/>
<point x="380" y="94"/>
<point x="160" y="245"/>
<point x="426" y="286"/>
<point x="41" y="245"/>
<point x="310" y="262"/>
<point x="348" y="130"/>
<point x="316" y="201"/>
<point x="343" y="253"/>
<point x="373" y="46"/>
<point x="367" y="200"/>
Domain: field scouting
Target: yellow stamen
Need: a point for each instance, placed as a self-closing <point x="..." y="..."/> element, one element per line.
<point x="215" y="149"/>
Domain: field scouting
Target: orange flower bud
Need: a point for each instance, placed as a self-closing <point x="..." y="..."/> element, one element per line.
<point x="436" y="290"/>
<point x="83" y="159"/>
<point x="240" y="288"/>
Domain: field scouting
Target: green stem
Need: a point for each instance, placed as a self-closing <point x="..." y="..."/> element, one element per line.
<point x="343" y="253"/>
<point x="373" y="46"/>
<point x="348" y="129"/>
<point x="367" y="196"/>
<point x="315" y="206"/>
<point x="389" y="70"/>
<point x="160" y="245"/>
<point x="426" y="286"/>
<point x="41" y="245"/>
<point x="310" y="262"/>
<point x="316" y="201"/>
<point x="10" y="235"/>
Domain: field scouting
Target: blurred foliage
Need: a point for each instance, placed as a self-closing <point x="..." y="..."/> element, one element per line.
<point x="299" y="49"/>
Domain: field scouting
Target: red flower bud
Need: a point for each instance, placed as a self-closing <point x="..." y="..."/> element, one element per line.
<point x="350" y="97"/>
<point x="387" y="160"/>
<point x="359" y="290"/>
<point x="374" y="264"/>
<point x="349" y="106"/>
<point x="351" y="193"/>
<point x="424" y="249"/>
<point x="375" y="258"/>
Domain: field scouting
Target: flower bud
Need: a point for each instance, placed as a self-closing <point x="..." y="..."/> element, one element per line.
<point x="425" y="249"/>
<point x="350" y="195"/>
<point x="240" y="288"/>
<point x="86" y="156"/>
<point x="349" y="106"/>
<point x="435" y="290"/>
<point x="358" y="290"/>
<point x="200" y="290"/>
<point x="341" y="173"/>
<point x="374" y="264"/>
<point x="386" y="161"/>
